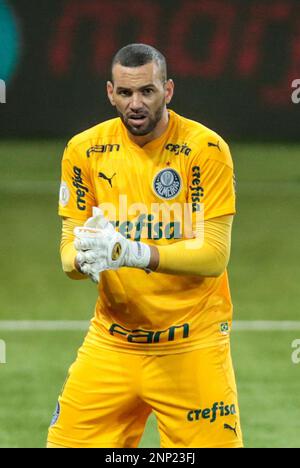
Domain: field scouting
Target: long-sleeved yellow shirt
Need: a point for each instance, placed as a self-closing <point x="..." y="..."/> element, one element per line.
<point x="186" y="303"/>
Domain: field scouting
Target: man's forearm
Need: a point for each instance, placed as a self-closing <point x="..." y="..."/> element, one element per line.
<point x="67" y="250"/>
<point x="69" y="264"/>
<point x="187" y="257"/>
<point x="182" y="259"/>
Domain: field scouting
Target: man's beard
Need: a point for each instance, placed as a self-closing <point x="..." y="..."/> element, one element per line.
<point x="152" y="124"/>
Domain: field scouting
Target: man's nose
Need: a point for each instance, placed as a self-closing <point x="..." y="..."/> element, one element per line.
<point x="136" y="102"/>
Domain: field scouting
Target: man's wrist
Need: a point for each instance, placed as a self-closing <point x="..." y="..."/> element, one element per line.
<point x="154" y="258"/>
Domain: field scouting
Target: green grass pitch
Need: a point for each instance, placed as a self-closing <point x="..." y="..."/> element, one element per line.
<point x="264" y="274"/>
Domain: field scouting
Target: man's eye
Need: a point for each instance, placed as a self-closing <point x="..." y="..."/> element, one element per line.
<point x="147" y="91"/>
<point x="124" y="93"/>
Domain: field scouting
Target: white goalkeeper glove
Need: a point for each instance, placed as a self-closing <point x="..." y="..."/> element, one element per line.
<point x="100" y="247"/>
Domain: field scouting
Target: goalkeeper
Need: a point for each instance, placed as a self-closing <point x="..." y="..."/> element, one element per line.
<point x="160" y="337"/>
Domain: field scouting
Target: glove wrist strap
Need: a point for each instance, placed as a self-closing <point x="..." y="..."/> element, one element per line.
<point x="138" y="255"/>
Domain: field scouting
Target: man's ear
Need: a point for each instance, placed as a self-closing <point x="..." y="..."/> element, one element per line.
<point x="169" y="90"/>
<point x="110" y="92"/>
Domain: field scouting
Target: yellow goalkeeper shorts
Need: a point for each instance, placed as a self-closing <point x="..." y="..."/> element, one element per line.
<point x="109" y="395"/>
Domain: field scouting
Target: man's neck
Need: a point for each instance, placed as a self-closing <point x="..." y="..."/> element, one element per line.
<point x="156" y="133"/>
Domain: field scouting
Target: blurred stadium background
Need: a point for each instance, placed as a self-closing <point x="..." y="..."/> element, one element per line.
<point x="233" y="63"/>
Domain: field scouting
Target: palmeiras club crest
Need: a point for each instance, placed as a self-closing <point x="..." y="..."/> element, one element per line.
<point x="167" y="184"/>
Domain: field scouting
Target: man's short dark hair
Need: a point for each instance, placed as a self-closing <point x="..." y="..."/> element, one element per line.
<point x="136" y="55"/>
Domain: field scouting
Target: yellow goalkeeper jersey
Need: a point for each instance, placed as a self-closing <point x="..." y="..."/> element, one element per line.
<point x="154" y="194"/>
